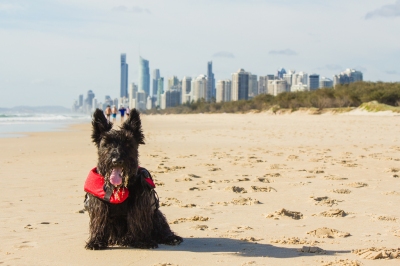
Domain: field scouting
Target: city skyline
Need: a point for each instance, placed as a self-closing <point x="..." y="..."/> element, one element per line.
<point x="55" y="50"/>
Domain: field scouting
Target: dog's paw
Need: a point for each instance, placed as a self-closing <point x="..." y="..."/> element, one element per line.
<point x="173" y="240"/>
<point x="95" y="246"/>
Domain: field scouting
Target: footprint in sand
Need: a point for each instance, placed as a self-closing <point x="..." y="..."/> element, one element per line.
<point x="262" y="189"/>
<point x="358" y="184"/>
<point x="201" y="227"/>
<point x="236" y="189"/>
<point x="190" y="205"/>
<point x="183" y="179"/>
<point x="374" y="253"/>
<point x="392" y="193"/>
<point x="325" y="232"/>
<point x="387" y="218"/>
<point x="242" y="179"/>
<point x="331" y="177"/>
<point x="285" y="213"/>
<point x="332" y="213"/>
<point x="206" y="182"/>
<point x="342" y="191"/>
<point x="396" y="232"/>
<point x="165" y="264"/>
<point x="26" y="244"/>
<point x="262" y="179"/>
<point x="341" y="262"/>
<point x="244" y="201"/>
<point x="197" y="188"/>
<point x="294" y="241"/>
<point x="251" y="239"/>
<point x="191" y="219"/>
<point x="324" y="201"/>
<point x="194" y="176"/>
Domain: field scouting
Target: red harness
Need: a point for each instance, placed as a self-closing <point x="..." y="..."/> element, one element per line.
<point x="94" y="185"/>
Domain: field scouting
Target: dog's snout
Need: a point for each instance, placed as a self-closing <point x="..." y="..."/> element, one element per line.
<point x="116" y="161"/>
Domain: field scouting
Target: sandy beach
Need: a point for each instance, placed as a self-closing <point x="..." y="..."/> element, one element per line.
<point x="241" y="189"/>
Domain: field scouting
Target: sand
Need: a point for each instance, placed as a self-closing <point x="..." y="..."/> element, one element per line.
<point x="219" y="176"/>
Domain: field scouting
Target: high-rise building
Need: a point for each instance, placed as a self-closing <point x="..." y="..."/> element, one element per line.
<point x="280" y="73"/>
<point x="141" y="100"/>
<point x="124" y="77"/>
<point x="348" y="76"/>
<point x="144" y="76"/>
<point x="186" y="89"/>
<point x="223" y="91"/>
<point x="253" y="85"/>
<point x="313" y="82"/>
<point x="173" y="83"/>
<point x="156" y="76"/>
<point x="170" y="98"/>
<point x="263" y="83"/>
<point x="160" y="91"/>
<point x="210" y="82"/>
<point x="80" y="100"/>
<point x="132" y="95"/>
<point x="325" y="83"/>
<point x="288" y="77"/>
<point x="87" y="106"/>
<point x="279" y="86"/>
<point x="299" y="87"/>
<point x="240" y="85"/>
<point x="199" y="88"/>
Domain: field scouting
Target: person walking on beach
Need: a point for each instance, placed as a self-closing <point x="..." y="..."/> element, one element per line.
<point x="127" y="112"/>
<point x="108" y="113"/>
<point x="114" y="113"/>
<point x="122" y="110"/>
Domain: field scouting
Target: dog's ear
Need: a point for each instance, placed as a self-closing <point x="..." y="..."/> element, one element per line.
<point x="134" y="125"/>
<point x="100" y="126"/>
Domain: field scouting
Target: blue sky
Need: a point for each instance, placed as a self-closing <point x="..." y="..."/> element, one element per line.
<point x="52" y="51"/>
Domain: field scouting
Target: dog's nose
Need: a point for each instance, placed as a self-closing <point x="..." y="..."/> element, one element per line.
<point x="116" y="161"/>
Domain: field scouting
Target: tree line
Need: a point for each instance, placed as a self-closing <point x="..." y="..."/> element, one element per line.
<point x="342" y="96"/>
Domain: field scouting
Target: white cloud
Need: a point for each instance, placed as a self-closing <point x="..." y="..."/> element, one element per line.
<point x="387" y="11"/>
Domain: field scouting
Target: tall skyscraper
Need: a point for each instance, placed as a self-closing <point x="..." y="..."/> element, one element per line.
<point x="313" y="82"/>
<point x="240" y="85"/>
<point x="348" y="76"/>
<point x="186" y="89"/>
<point x="253" y="85"/>
<point x="124" y="77"/>
<point x="144" y="76"/>
<point x="210" y="82"/>
<point x="160" y="90"/>
<point x="199" y="88"/>
<point x="173" y="83"/>
<point x="156" y="76"/>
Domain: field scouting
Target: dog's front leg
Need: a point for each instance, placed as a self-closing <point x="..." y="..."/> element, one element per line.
<point x="98" y="227"/>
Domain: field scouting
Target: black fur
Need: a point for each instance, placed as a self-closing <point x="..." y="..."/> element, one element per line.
<point x="137" y="222"/>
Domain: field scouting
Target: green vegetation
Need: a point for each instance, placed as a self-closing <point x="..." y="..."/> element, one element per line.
<point x="342" y="98"/>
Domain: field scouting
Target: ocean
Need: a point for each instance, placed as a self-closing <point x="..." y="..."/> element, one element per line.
<point x="15" y="125"/>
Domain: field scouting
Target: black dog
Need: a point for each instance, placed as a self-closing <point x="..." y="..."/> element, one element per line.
<point x="120" y="199"/>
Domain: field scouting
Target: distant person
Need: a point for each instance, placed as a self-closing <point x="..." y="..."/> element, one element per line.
<point x="122" y="111"/>
<point x="108" y="113"/>
<point x="127" y="112"/>
<point x="114" y="113"/>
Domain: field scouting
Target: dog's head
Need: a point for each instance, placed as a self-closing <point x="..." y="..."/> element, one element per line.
<point x="117" y="149"/>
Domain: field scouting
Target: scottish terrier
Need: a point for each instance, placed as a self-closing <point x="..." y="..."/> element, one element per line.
<point x="121" y="201"/>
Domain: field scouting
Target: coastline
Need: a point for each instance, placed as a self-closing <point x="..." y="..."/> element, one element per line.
<point x="297" y="156"/>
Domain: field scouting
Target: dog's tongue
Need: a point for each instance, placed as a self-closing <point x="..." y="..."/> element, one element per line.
<point x="115" y="177"/>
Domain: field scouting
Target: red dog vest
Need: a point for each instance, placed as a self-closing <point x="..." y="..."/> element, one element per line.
<point x="94" y="185"/>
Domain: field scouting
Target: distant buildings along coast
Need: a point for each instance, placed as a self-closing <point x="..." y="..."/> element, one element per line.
<point x="159" y="92"/>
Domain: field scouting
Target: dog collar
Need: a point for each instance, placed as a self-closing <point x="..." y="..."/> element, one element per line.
<point x="95" y="185"/>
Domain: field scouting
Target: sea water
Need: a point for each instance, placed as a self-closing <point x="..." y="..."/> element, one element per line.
<point x="15" y="125"/>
